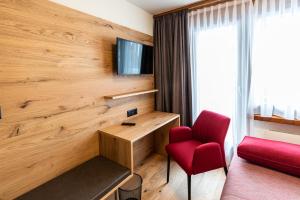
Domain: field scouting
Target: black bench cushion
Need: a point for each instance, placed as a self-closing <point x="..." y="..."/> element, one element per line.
<point x="90" y="180"/>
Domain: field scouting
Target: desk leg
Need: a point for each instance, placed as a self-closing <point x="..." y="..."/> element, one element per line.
<point x="116" y="149"/>
<point x="142" y="149"/>
<point x="161" y="136"/>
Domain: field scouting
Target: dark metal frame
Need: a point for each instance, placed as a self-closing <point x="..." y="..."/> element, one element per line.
<point x="168" y="169"/>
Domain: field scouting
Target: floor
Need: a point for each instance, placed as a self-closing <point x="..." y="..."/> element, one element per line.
<point x="206" y="186"/>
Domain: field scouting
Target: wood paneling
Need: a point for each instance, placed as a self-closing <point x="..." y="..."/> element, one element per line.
<point x="142" y="149"/>
<point x="56" y="66"/>
<point x="116" y="150"/>
<point x="161" y="136"/>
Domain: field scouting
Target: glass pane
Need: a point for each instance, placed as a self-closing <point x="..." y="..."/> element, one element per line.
<point x="217" y="71"/>
<point x="276" y="65"/>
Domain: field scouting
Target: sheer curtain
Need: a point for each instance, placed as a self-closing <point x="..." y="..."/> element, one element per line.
<point x="276" y="64"/>
<point x="220" y="46"/>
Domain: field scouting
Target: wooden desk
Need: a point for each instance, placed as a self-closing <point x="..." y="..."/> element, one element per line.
<point x="129" y="145"/>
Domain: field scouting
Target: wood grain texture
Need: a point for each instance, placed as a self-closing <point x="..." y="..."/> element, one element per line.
<point x="205" y="186"/>
<point x="194" y="6"/>
<point x="142" y="149"/>
<point x="130" y="94"/>
<point x="111" y="195"/>
<point x="56" y="66"/>
<point x="161" y="136"/>
<point x="145" y="124"/>
<point x="130" y="145"/>
<point x="276" y="119"/>
<point x="116" y="150"/>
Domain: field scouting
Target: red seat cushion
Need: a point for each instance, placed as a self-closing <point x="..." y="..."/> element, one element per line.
<point x="183" y="153"/>
<point x="281" y="156"/>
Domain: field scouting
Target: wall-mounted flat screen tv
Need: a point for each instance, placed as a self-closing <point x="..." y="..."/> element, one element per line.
<point x="134" y="58"/>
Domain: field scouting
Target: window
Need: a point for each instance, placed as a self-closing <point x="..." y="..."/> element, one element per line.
<point x="220" y="50"/>
<point x="276" y="65"/>
<point x="217" y="71"/>
<point x="217" y="55"/>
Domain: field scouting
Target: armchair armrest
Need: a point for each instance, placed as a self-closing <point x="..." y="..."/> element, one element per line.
<point x="180" y="134"/>
<point x="207" y="157"/>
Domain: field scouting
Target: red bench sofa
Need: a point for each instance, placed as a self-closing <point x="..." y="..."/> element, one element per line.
<point x="266" y="174"/>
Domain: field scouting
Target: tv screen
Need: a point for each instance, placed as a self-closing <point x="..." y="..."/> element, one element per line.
<point x="134" y="58"/>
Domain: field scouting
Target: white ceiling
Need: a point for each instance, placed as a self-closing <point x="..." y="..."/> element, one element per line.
<point x="159" y="6"/>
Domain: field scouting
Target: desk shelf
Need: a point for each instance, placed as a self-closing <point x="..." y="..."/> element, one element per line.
<point x="130" y="145"/>
<point x="130" y="94"/>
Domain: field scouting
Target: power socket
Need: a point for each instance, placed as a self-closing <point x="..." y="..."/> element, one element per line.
<point x="132" y="112"/>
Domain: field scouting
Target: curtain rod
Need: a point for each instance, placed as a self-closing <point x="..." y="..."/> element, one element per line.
<point x="195" y="6"/>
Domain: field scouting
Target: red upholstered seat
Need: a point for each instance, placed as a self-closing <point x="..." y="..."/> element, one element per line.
<point x="199" y="148"/>
<point x="183" y="153"/>
<point x="281" y="156"/>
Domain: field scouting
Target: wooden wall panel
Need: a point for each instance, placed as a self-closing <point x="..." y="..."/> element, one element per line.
<point x="142" y="149"/>
<point x="56" y="64"/>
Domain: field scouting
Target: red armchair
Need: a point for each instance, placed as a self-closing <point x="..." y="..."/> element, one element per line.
<point x="200" y="148"/>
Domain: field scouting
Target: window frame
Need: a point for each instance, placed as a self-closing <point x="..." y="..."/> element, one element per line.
<point x="277" y="119"/>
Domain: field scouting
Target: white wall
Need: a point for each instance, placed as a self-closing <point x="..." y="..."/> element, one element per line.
<point x="118" y="11"/>
<point x="275" y="131"/>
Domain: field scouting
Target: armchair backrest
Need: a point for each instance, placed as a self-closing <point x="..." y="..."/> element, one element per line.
<point x="211" y="127"/>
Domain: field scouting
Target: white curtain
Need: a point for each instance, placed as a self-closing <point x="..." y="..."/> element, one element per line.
<point x="220" y="45"/>
<point x="276" y="64"/>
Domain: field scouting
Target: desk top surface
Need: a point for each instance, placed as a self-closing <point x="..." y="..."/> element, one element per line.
<point x="145" y="124"/>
